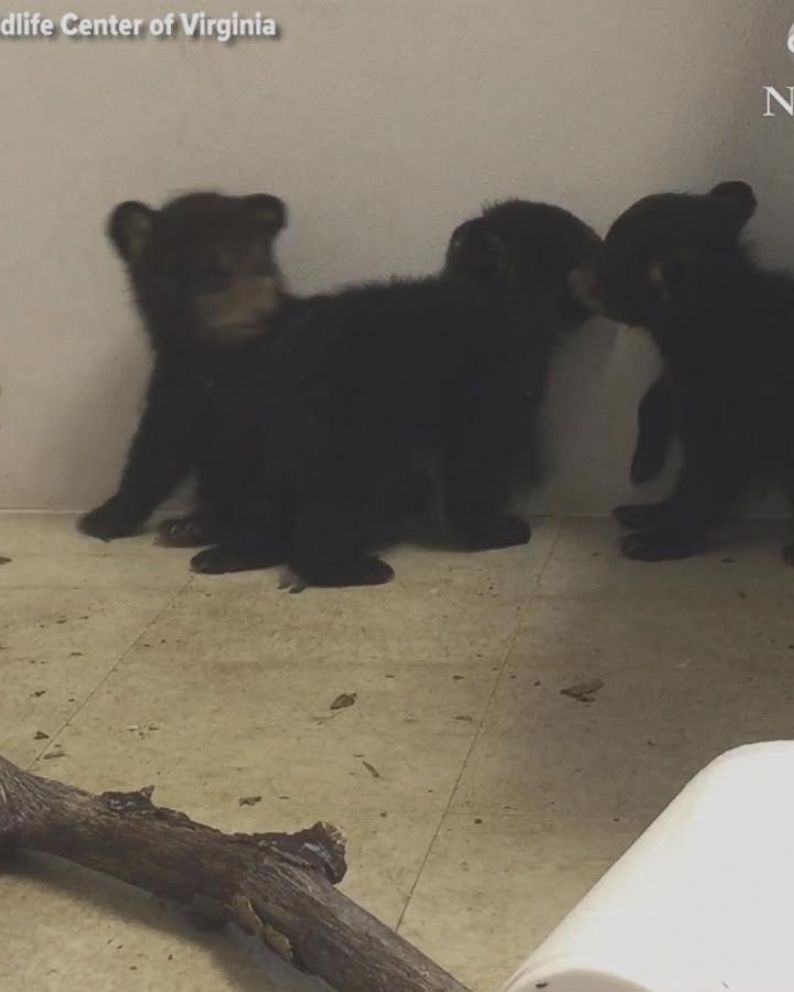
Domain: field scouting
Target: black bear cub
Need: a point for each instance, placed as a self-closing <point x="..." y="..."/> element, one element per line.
<point x="206" y="283"/>
<point x="364" y="380"/>
<point x="675" y="264"/>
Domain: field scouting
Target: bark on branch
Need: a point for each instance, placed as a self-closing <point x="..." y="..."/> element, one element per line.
<point x="276" y="886"/>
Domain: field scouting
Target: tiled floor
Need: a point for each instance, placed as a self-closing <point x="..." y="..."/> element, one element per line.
<point x="499" y="801"/>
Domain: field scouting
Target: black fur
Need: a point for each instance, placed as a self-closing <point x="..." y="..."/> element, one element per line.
<point x="205" y="280"/>
<point x="675" y="265"/>
<point x="364" y="380"/>
<point x="656" y="428"/>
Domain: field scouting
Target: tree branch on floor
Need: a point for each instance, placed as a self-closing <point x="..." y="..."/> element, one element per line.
<point x="278" y="887"/>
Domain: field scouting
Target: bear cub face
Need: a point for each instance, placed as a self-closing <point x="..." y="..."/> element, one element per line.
<point x="527" y="249"/>
<point x="202" y="268"/>
<point x="666" y="254"/>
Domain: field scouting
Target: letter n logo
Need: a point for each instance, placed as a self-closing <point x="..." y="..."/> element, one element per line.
<point x="774" y="95"/>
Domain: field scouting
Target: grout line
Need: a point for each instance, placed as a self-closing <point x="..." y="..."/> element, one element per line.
<point x="474" y="741"/>
<point x="550" y="555"/>
<point x="114" y="668"/>
<point x="464" y="764"/>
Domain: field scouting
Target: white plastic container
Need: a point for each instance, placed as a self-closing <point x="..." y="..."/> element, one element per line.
<point x="702" y="902"/>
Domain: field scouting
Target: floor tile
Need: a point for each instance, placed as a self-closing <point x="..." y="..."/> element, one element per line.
<point x="479" y="802"/>
<point x="220" y="728"/>
<point x="73" y="929"/>
<point x="56" y="646"/>
<point x="55" y="534"/>
<point x="495" y="885"/>
<point x="745" y="557"/>
<point x="677" y="691"/>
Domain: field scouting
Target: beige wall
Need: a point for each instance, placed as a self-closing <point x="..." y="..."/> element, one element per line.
<point x="383" y="123"/>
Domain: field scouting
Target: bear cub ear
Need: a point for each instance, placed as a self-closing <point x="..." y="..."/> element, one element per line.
<point x="268" y="210"/>
<point x="738" y="199"/>
<point x="129" y="227"/>
<point x="476" y="252"/>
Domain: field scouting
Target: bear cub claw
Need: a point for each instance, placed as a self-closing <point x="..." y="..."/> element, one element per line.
<point x="185" y="532"/>
<point x="639" y="516"/>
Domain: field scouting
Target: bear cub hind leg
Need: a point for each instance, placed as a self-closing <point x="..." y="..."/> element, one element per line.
<point x="330" y="542"/>
<point x="476" y="489"/>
